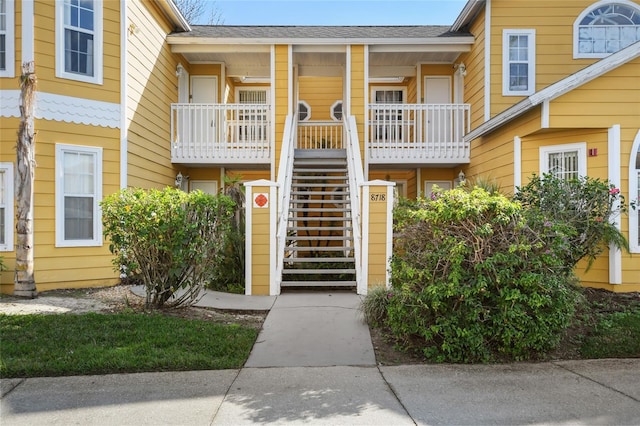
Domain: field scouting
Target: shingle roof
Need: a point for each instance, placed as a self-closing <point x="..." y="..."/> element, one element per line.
<point x="319" y="32"/>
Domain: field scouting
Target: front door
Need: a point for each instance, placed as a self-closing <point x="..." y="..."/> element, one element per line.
<point x="204" y="91"/>
<point x="437" y="91"/>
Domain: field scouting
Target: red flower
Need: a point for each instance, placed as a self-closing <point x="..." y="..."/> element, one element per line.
<point x="614" y="191"/>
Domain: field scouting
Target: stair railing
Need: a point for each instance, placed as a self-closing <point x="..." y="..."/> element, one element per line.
<point x="356" y="179"/>
<point x="284" y="179"/>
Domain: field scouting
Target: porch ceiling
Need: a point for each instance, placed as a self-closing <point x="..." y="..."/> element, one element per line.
<point x="385" y="60"/>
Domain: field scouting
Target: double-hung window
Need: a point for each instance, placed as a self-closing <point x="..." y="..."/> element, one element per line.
<point x="78" y="192"/>
<point x="518" y="62"/>
<point x="6" y="206"/>
<point x="7" y="38"/>
<point x="564" y="161"/>
<point x="79" y="40"/>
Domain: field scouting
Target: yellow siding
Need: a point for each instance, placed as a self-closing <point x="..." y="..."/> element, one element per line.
<point x="64" y="267"/>
<point x="358" y="91"/>
<point x="261" y="239"/>
<point x="553" y="22"/>
<point x="474" y="81"/>
<point x="398" y="175"/>
<point x="152" y="87"/>
<point x="44" y="45"/>
<point x="377" y="239"/>
<point x="320" y="93"/>
<point x="281" y="101"/>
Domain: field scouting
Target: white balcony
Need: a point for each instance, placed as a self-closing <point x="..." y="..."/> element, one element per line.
<point x="220" y="133"/>
<point x="418" y="134"/>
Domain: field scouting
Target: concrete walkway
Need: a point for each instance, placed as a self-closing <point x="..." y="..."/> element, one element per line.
<point x="313" y="364"/>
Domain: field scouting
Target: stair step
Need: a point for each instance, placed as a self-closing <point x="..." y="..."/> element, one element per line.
<point x="320" y="209"/>
<point x="311" y="248"/>
<point x="320" y="219"/>
<point x="319" y="185"/>
<point x="319" y="228"/>
<point x="291" y="260"/>
<point x="318" y="271"/>
<point x="318" y="284"/>
<point x="320" y="238"/>
<point x="319" y="170"/>
<point x="306" y="177"/>
<point x="320" y="153"/>
<point x="332" y="193"/>
<point x="298" y="202"/>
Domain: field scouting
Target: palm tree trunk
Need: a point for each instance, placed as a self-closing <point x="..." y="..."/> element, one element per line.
<point x="24" y="280"/>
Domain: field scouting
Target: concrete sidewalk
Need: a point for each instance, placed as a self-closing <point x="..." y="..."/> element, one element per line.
<point x="313" y="364"/>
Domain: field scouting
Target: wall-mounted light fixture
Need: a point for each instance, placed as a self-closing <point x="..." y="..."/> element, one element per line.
<point x="461" y="176"/>
<point x="179" y="70"/>
<point x="461" y="68"/>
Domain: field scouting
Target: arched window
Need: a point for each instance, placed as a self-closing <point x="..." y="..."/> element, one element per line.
<point x="634" y="196"/>
<point x="606" y="27"/>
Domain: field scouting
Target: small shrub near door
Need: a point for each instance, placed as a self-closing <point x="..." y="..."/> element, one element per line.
<point x="170" y="240"/>
<point x="472" y="282"/>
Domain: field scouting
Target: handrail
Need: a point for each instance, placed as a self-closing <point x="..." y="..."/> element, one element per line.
<point x="285" y="172"/>
<point x="356" y="179"/>
<point x="320" y="135"/>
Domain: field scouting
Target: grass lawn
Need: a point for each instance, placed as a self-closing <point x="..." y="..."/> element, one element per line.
<point x="79" y="344"/>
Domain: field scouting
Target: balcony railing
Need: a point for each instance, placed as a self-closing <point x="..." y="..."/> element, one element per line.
<point x="220" y="133"/>
<point x="320" y="135"/>
<point x="418" y="133"/>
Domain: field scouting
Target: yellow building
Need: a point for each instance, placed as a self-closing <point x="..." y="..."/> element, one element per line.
<point x="326" y="123"/>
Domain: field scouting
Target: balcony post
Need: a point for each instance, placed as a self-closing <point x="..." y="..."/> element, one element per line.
<point x="260" y="238"/>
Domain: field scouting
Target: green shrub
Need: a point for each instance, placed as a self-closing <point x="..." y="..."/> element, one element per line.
<point x="473" y="283"/>
<point x="170" y="240"/>
<point x="579" y="211"/>
<point x="374" y="305"/>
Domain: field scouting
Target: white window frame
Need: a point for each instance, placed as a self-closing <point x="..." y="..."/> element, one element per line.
<point x="531" y="62"/>
<point x="264" y="89"/>
<point x="634" y="191"/>
<point x="375" y="89"/>
<point x="308" y="107"/>
<point x="199" y="184"/>
<point x="96" y="78"/>
<point x="333" y="107"/>
<point x="10" y="40"/>
<point x="445" y="185"/>
<point x="61" y="149"/>
<point x="576" y="27"/>
<point x="580" y="147"/>
<point x="8" y="204"/>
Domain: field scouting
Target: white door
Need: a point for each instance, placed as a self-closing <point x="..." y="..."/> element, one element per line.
<point x="437" y="90"/>
<point x="204" y="91"/>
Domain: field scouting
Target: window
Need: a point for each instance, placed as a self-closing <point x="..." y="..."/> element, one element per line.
<point x="387" y="115"/>
<point x="6" y="206"/>
<point x="304" y="111"/>
<point x="634" y="197"/>
<point x="7" y="39"/>
<point x="429" y="186"/>
<point x="79" y="40"/>
<point x="206" y="186"/>
<point x="518" y="62"/>
<point x="605" y="28"/>
<point x="564" y="161"/>
<point x="336" y="111"/>
<point x="78" y="191"/>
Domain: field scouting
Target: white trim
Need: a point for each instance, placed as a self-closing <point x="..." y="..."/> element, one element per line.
<point x="183" y="84"/>
<point x="581" y="147"/>
<point x="97" y="32"/>
<point x="487" y="61"/>
<point x="363" y="284"/>
<point x="248" y="240"/>
<point x="544" y="113"/>
<point x="7" y="168"/>
<point x="389" y="247"/>
<point x="97" y="195"/>
<point x="124" y="72"/>
<point x="467" y="15"/>
<point x="290" y="97"/>
<point x="634" y="244"/>
<point x="64" y="108"/>
<point x="306" y="104"/>
<point x="419" y="180"/>
<point x="613" y="158"/>
<point x="442" y="184"/>
<point x="28" y="25"/>
<point x="419" y="80"/>
<point x="10" y="39"/>
<point x="517" y="163"/>
<point x="195" y="182"/>
<point x="583" y="14"/>
<point x="274" y="284"/>
<point x="531" y="62"/>
<point x="346" y="106"/>
<point x="399" y="88"/>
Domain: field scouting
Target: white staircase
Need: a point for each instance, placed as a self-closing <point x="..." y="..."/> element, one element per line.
<point x="319" y="248"/>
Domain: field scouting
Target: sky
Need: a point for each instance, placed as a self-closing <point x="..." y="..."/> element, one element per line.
<point x="337" y="12"/>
